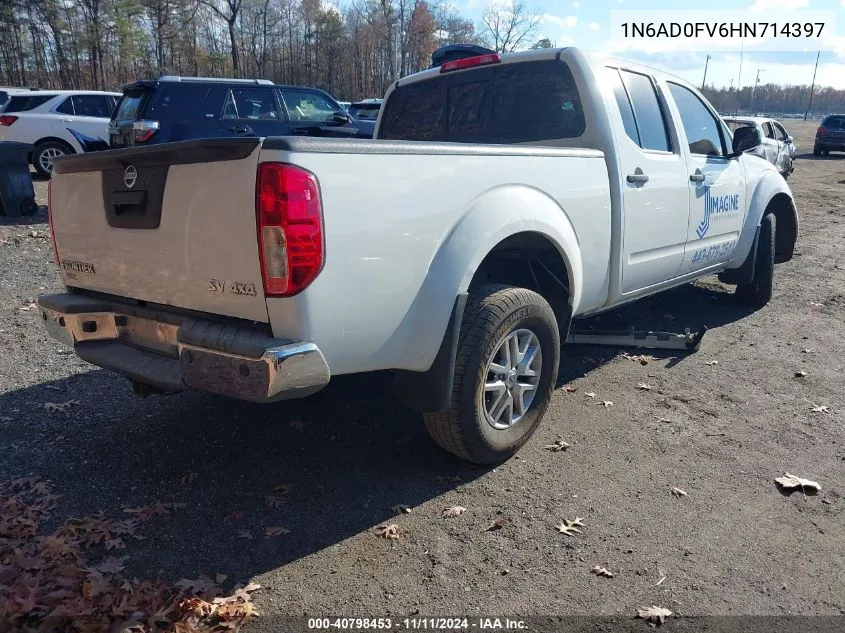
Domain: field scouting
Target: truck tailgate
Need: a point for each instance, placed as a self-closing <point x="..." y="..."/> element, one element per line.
<point x="172" y="224"/>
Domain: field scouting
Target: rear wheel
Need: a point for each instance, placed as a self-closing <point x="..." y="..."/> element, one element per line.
<point x="817" y="151"/>
<point x="45" y="152"/>
<point x="505" y="372"/>
<point x="759" y="291"/>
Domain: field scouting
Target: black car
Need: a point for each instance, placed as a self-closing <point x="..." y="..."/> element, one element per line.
<point x="830" y="136"/>
<point x="184" y="108"/>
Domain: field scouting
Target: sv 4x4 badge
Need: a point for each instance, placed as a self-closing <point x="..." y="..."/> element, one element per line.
<point x="234" y="288"/>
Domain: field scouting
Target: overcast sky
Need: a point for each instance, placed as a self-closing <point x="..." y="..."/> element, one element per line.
<point x="586" y="23"/>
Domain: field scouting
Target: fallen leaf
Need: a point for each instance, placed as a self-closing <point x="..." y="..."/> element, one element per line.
<point x="807" y="350"/>
<point x="653" y="614"/>
<point x="558" y="446"/>
<point x="28" y="307"/>
<point x="791" y="482"/>
<point x="401" y="509"/>
<point x="388" y="531"/>
<point x="642" y="359"/>
<point x="298" y="424"/>
<point x="590" y="394"/>
<point x="712" y="362"/>
<point x="188" y="478"/>
<point x="816" y="303"/>
<point x="598" y="570"/>
<point x="569" y="389"/>
<point x="607" y="403"/>
<point x="820" y="408"/>
<point x="570" y="527"/>
<point x="285" y="489"/>
<point x="220" y="578"/>
<point x="677" y="492"/>
<point x="800" y="374"/>
<point x="115" y="543"/>
<point x="453" y="511"/>
<point x="274" y="501"/>
<point x="498" y="524"/>
<point x="644" y="386"/>
<point x="659" y="419"/>
<point x="275" y="531"/>
<point x="245" y="534"/>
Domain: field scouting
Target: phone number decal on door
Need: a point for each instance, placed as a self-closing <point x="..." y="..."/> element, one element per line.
<point x="714" y="252"/>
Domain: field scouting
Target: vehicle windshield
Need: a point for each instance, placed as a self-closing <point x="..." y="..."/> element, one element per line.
<point x="837" y="122"/>
<point x="367" y="111"/>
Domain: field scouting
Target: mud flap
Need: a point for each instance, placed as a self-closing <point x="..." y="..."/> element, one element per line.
<point x="745" y="273"/>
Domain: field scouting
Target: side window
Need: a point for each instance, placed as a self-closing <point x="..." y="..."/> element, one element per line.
<point x="702" y="129"/>
<point x="651" y="124"/>
<point x="304" y="105"/>
<point x="625" y="108"/>
<point x="92" y="105"/>
<point x="66" y="106"/>
<point x="767" y="130"/>
<point x="415" y="113"/>
<point x="780" y="132"/>
<point x="249" y="103"/>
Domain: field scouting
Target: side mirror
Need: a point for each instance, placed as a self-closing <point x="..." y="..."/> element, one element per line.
<point x="746" y="138"/>
<point x="788" y="140"/>
<point x="341" y="118"/>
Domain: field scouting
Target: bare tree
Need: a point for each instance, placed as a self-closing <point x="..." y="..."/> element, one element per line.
<point x="506" y="28"/>
<point x="228" y="10"/>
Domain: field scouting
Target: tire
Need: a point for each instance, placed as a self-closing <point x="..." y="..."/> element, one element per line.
<point x="759" y="291"/>
<point x="817" y="151"/>
<point x="495" y="315"/>
<point x="43" y="154"/>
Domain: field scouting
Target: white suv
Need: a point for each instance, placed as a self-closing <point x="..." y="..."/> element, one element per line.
<point x="53" y="121"/>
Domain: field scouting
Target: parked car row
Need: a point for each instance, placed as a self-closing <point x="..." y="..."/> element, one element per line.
<point x="61" y="122"/>
<point x="778" y="147"/>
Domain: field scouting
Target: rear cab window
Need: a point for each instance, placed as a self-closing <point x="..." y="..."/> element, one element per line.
<point x="642" y="113"/>
<point x="520" y="102"/>
<point x="837" y="122"/>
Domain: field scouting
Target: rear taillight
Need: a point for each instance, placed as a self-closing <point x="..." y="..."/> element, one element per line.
<point x="50" y="221"/>
<point x="290" y="228"/>
<point x="144" y="129"/>
<point x="822" y="131"/>
<point x="470" y="62"/>
<point x="7" y="119"/>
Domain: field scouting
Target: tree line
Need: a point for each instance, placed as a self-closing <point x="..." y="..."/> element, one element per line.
<point x="353" y="51"/>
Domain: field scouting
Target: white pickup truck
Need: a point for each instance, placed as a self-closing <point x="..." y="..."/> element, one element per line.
<point x="501" y="198"/>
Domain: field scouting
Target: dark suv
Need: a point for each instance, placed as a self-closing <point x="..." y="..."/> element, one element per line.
<point x="830" y="136"/>
<point x="184" y="108"/>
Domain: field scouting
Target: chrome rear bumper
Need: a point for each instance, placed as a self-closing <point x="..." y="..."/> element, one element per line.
<point x="173" y="353"/>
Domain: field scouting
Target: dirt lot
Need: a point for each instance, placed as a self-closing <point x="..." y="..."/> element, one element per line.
<point x="720" y="431"/>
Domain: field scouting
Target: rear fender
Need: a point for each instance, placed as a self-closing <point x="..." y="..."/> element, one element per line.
<point x="432" y="323"/>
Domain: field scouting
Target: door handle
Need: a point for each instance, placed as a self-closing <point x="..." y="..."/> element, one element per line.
<point x="637" y="178"/>
<point x="67" y="120"/>
<point x="239" y="130"/>
<point x="696" y="177"/>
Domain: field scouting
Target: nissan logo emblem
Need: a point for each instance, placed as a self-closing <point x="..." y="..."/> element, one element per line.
<point x="130" y="176"/>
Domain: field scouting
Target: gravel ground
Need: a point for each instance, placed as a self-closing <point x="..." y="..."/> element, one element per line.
<point x="720" y="424"/>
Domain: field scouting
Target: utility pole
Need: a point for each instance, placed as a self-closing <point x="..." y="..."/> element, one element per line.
<point x="703" y="81"/>
<point x="754" y="90"/>
<point x="812" y="87"/>
<point x="739" y="79"/>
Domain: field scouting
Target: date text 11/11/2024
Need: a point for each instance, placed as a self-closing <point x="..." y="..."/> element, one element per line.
<point x="418" y="624"/>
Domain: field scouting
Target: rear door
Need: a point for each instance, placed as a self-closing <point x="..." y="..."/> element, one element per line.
<point x="654" y="199"/>
<point x="773" y="147"/>
<point x="252" y="112"/>
<point x="88" y="114"/>
<point x="715" y="183"/>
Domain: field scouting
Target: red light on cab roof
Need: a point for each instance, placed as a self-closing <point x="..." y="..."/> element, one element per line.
<point x="470" y="62"/>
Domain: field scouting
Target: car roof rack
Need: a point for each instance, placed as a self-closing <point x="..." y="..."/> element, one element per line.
<point x="453" y="52"/>
<point x="228" y="80"/>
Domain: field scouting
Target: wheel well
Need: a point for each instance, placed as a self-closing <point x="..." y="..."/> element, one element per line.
<point x="530" y="260"/>
<point x="787" y="230"/>
<point x="53" y="139"/>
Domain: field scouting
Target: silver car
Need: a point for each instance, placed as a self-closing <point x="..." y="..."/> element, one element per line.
<point x="778" y="147"/>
